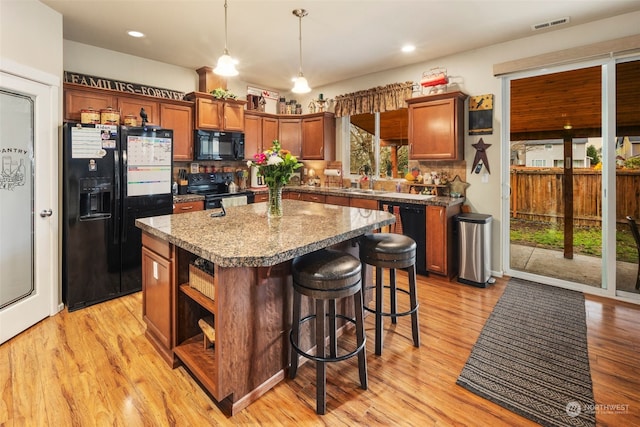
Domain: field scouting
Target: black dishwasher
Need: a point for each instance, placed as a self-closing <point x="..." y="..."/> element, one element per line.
<point x="412" y="224"/>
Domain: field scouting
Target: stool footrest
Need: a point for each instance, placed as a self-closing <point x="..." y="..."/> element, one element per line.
<point x="326" y="359"/>
<point x="404" y="313"/>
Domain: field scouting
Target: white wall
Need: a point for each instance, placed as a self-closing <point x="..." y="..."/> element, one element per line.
<point x="31" y="35"/>
<point x="95" y="61"/>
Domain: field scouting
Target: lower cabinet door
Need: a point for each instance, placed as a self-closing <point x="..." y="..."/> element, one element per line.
<point x="436" y="239"/>
<point x="156" y="305"/>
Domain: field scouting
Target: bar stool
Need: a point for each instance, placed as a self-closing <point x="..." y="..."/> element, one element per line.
<point x="392" y="251"/>
<point x="327" y="275"/>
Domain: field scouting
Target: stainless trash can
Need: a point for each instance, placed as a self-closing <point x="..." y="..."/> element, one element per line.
<point x="474" y="243"/>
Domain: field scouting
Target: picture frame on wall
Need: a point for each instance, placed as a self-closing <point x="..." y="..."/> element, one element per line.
<point x="481" y="115"/>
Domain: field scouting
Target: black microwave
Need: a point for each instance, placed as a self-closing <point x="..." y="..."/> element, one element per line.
<point x="216" y="145"/>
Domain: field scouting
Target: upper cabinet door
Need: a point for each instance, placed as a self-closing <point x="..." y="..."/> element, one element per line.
<point x="290" y="136"/>
<point x="208" y="114"/>
<point x="180" y="119"/>
<point x="318" y="137"/>
<point x="270" y="131"/>
<point x="252" y="135"/>
<point x="77" y="100"/>
<point x="233" y="116"/>
<point x="133" y="106"/>
<point x="436" y="127"/>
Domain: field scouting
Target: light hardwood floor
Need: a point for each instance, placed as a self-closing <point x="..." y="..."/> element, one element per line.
<point x="95" y="367"/>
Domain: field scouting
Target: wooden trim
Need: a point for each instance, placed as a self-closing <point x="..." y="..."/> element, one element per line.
<point x="592" y="51"/>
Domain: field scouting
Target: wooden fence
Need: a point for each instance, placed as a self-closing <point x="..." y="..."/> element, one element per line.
<point x="536" y="195"/>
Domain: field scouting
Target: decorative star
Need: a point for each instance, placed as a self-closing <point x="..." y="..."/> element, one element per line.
<point x="481" y="154"/>
<point x="458" y="186"/>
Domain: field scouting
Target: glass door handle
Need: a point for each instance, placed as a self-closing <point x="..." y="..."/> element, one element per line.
<point x="46" y="212"/>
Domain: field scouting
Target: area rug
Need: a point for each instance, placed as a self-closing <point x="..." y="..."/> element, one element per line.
<point x="531" y="357"/>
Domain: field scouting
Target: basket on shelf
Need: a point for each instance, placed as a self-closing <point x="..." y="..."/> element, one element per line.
<point x="433" y="79"/>
<point x="202" y="281"/>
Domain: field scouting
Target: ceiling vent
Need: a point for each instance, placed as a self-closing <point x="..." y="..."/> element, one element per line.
<point x="549" y="24"/>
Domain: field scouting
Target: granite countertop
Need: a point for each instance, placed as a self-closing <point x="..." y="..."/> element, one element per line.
<point x="246" y="237"/>
<point x="383" y="195"/>
<point x="180" y="198"/>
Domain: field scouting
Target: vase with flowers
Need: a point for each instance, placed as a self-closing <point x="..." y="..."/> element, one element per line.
<point x="275" y="165"/>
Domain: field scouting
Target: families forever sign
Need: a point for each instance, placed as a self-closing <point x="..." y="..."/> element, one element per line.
<point x="103" y="83"/>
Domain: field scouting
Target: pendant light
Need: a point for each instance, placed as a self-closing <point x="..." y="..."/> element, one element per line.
<point x="226" y="65"/>
<point x="300" y="83"/>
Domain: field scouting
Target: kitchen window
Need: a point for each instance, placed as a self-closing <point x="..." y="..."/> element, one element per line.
<point x="378" y="144"/>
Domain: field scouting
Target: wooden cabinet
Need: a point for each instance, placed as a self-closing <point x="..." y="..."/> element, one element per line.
<point x="252" y="134"/>
<point x="157" y="301"/>
<point x="441" y="245"/>
<point x="292" y="195"/>
<point x="337" y="200"/>
<point x="76" y="100"/>
<point x="170" y="114"/>
<point x="216" y="114"/>
<point x="318" y="136"/>
<point x="180" y="119"/>
<point x="184" y="207"/>
<point x="133" y="105"/>
<point x="363" y="203"/>
<point x="308" y="197"/>
<point x="233" y="116"/>
<point x="208" y="114"/>
<point x="308" y="137"/>
<point x="436" y="127"/>
<point x="259" y="132"/>
<point x="262" y="197"/>
<point x="290" y="135"/>
<point x="270" y="131"/>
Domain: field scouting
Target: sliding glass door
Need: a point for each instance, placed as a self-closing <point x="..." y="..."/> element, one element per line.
<point x="572" y="134"/>
<point x="626" y="148"/>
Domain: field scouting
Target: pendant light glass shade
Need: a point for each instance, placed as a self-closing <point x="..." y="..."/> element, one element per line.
<point x="300" y="83"/>
<point x="226" y="65"/>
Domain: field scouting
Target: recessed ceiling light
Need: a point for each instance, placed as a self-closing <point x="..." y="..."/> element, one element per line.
<point x="408" y="48"/>
<point x="136" y="34"/>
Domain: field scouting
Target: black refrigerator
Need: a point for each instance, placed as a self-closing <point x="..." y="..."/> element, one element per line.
<point x="112" y="175"/>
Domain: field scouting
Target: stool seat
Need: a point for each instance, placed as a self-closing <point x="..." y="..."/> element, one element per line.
<point x="388" y="250"/>
<point x="388" y="243"/>
<point x="326" y="276"/>
<point x="327" y="270"/>
<point x="392" y="251"/>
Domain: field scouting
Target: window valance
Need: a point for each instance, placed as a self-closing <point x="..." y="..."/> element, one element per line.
<point x="374" y="100"/>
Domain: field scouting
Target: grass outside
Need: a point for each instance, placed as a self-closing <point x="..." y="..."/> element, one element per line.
<point x="586" y="240"/>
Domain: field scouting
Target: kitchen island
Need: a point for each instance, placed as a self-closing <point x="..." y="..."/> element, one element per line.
<point x="251" y="288"/>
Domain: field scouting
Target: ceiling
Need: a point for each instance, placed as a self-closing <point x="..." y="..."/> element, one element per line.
<point x="340" y="39"/>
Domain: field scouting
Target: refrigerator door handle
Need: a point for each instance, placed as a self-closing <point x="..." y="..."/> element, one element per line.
<point x="116" y="179"/>
<point x="123" y="213"/>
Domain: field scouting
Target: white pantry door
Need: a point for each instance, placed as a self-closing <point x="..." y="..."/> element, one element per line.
<point x="28" y="202"/>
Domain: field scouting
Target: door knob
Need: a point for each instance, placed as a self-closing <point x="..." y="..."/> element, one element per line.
<point x="46" y="212"/>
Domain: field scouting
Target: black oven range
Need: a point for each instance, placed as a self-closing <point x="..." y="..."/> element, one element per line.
<point x="215" y="187"/>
